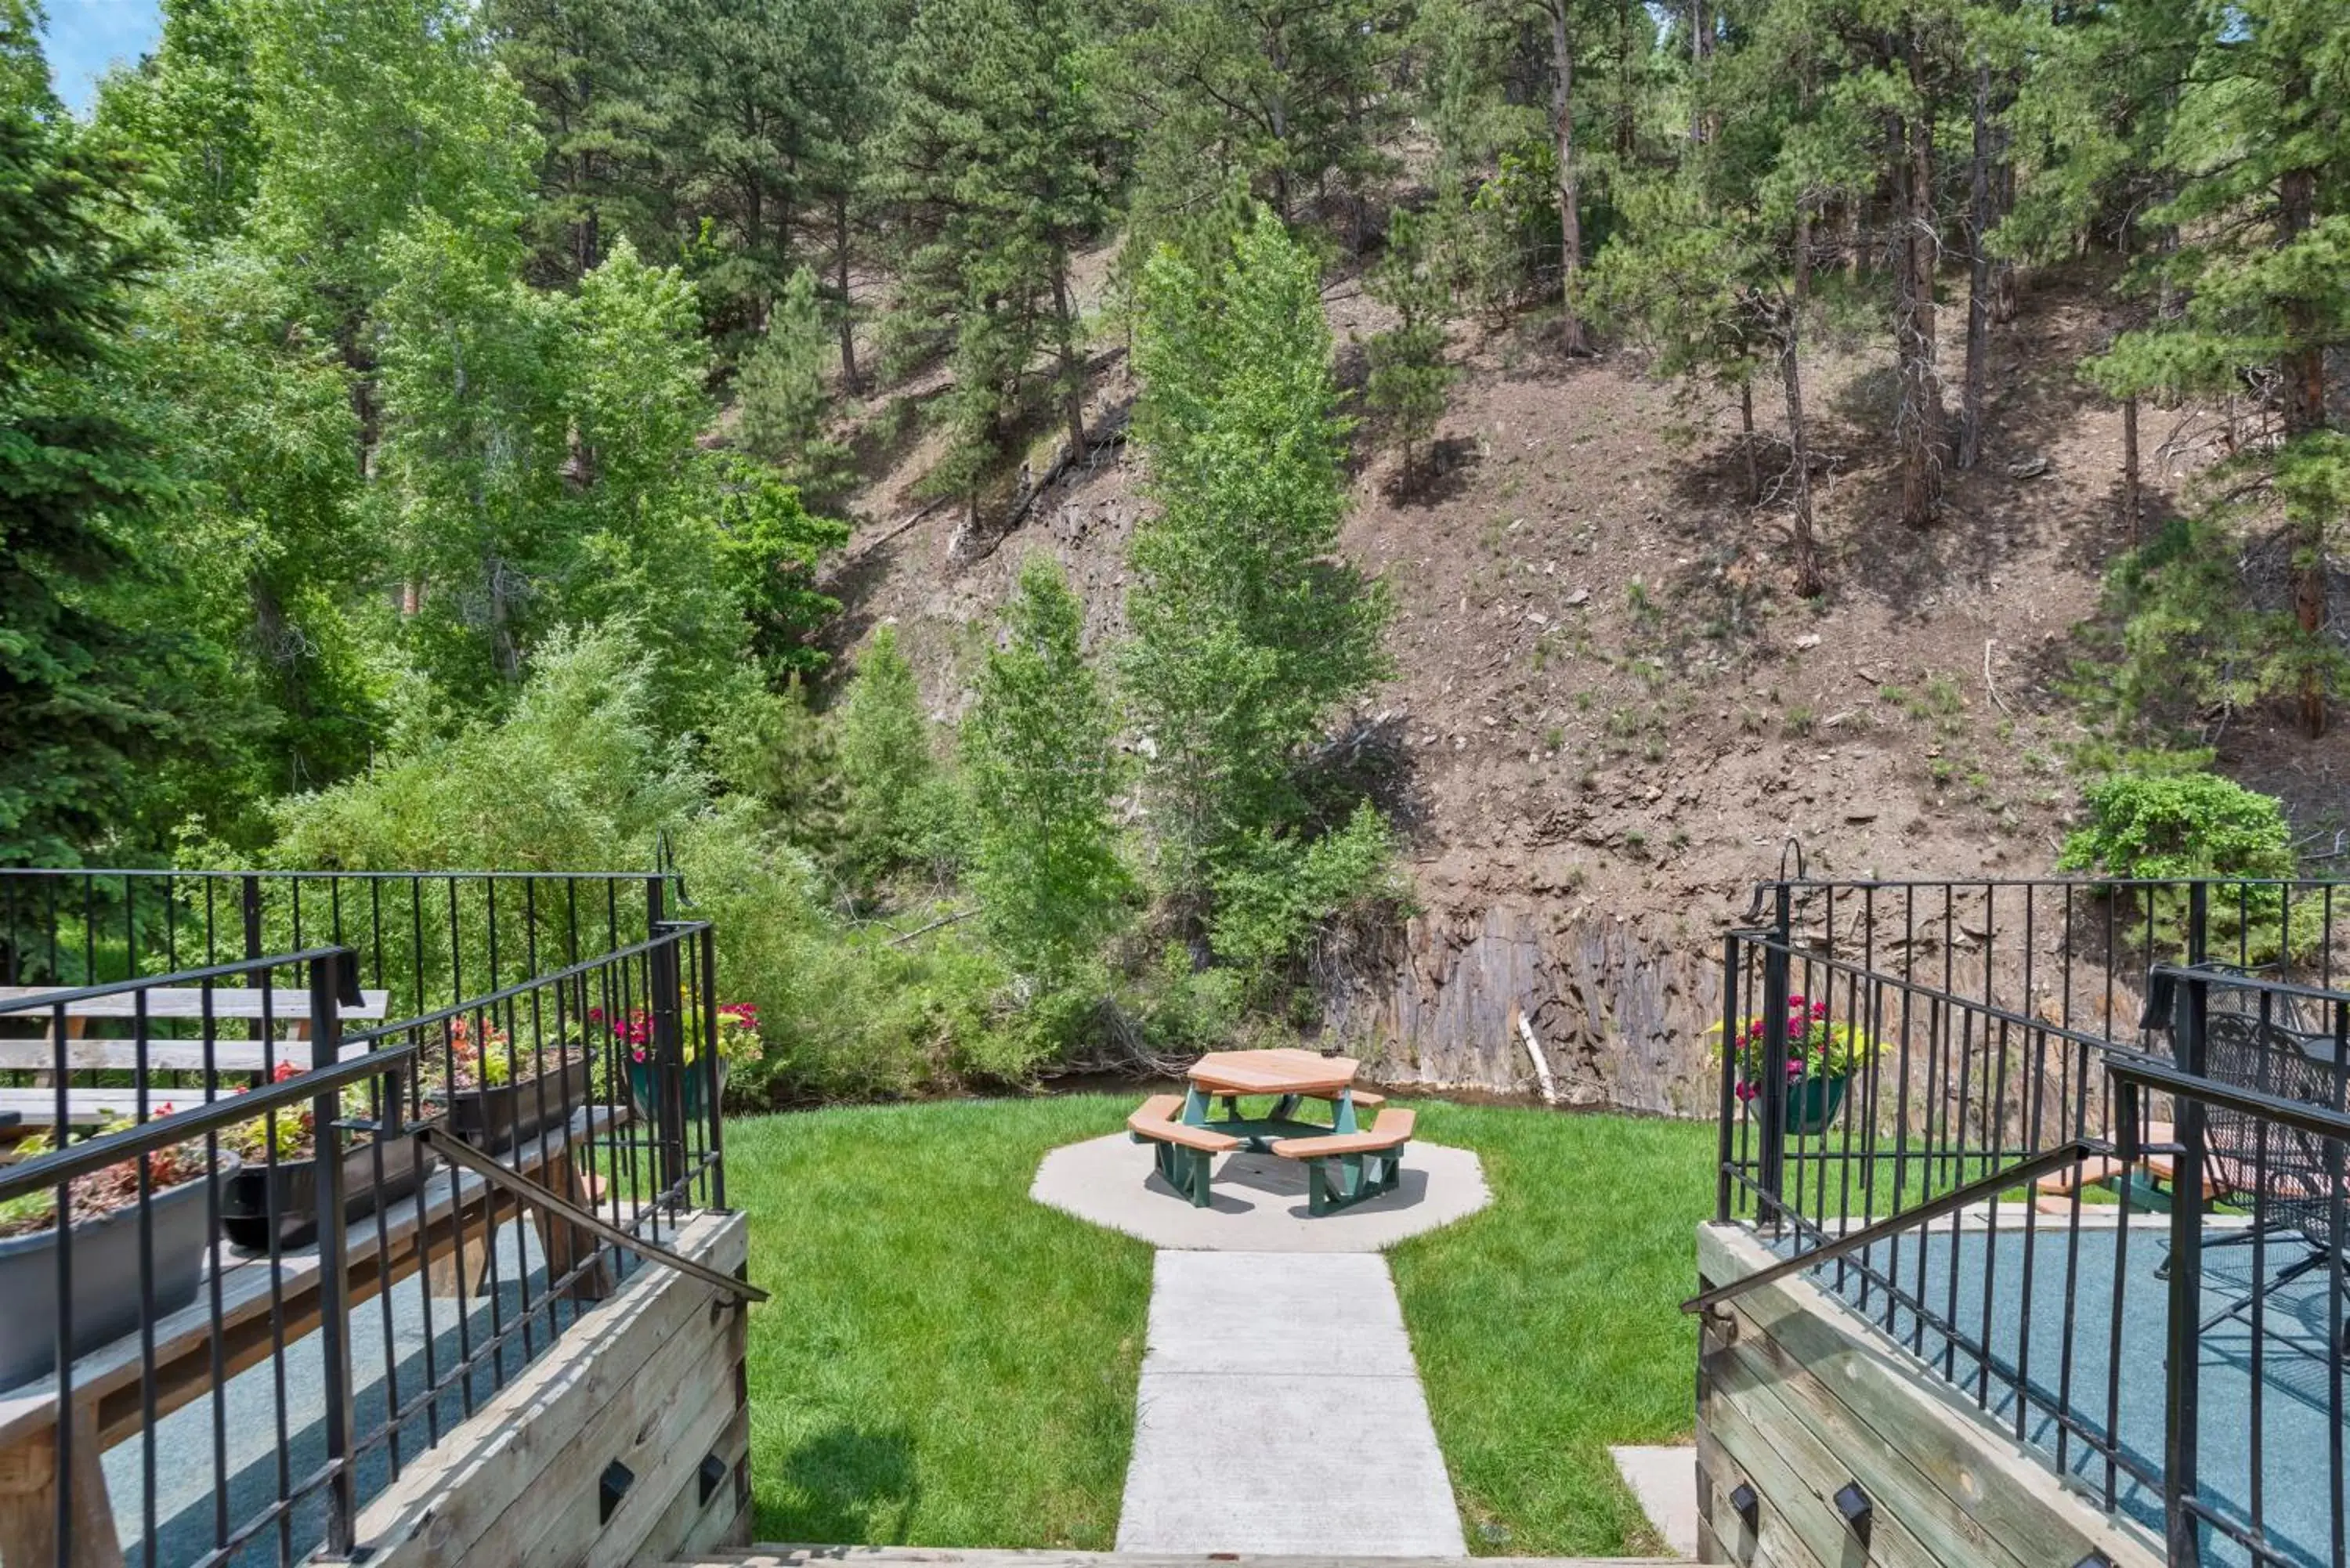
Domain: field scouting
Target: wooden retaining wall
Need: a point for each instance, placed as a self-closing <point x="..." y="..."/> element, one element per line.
<point x="653" y="1379"/>
<point x="1798" y="1397"/>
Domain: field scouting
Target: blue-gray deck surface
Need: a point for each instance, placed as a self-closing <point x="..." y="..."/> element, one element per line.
<point x="250" y="1403"/>
<point x="2070" y="1358"/>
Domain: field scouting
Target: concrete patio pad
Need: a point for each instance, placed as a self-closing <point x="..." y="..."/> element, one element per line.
<point x="1258" y="1199"/>
<point x="1280" y="1412"/>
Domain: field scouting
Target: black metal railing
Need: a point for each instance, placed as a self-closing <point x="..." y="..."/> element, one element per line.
<point x="427" y="939"/>
<point x="282" y="1250"/>
<point x="1984" y="1111"/>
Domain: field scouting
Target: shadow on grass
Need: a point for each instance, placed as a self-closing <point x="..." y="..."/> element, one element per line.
<point x="845" y="1483"/>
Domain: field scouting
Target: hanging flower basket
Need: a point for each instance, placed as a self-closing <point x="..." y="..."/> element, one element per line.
<point x="1823" y="1053"/>
<point x="738" y="1040"/>
<point x="1812" y="1103"/>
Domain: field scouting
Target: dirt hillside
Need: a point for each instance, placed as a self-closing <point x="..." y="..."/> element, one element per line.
<point x="1611" y="712"/>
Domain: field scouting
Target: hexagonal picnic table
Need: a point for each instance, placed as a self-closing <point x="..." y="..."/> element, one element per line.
<point x="1287" y="1072"/>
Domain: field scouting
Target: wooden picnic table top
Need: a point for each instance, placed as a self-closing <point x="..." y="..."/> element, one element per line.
<point x="1285" y="1071"/>
<point x="108" y="1377"/>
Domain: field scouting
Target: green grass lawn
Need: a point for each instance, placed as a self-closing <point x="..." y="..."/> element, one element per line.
<point x="1548" y="1327"/>
<point x="947" y="1364"/>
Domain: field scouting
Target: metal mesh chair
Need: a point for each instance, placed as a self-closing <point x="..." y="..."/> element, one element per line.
<point x="2290" y="1179"/>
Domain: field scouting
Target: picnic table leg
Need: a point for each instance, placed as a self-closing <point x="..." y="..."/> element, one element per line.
<point x="1196" y="1183"/>
<point x="565" y="1245"/>
<point x="443" y="1273"/>
<point x="28" y="1500"/>
<point x="1195" y="1105"/>
<point x="1342" y="1113"/>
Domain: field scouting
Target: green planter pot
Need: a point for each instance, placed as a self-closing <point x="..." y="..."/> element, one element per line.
<point x="1812" y="1105"/>
<point x="695" y="1084"/>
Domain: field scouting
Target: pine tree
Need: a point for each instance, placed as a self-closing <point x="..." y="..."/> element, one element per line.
<point x="2255" y="144"/>
<point x="739" y="129"/>
<point x="588" y="67"/>
<point x="1042" y="767"/>
<point x="886" y="767"/>
<point x="996" y="162"/>
<point x="781" y="397"/>
<point x="81" y="672"/>
<point x="1409" y="375"/>
<point x="1287" y="96"/>
<point x="1249" y="638"/>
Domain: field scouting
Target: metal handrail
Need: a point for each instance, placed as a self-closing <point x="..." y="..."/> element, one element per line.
<point x="538" y="1195"/>
<point x="665" y="933"/>
<point x="2038" y="1164"/>
<point x="315" y="874"/>
<point x="49" y="1001"/>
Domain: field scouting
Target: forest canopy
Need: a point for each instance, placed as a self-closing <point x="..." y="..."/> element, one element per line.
<point x="425" y="427"/>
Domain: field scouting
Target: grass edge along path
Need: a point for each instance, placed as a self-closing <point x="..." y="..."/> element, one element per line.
<point x="948" y="1364"/>
<point x="1547" y="1327"/>
<point x="944" y="1362"/>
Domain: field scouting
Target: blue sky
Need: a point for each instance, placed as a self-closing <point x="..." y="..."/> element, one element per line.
<point x="86" y="36"/>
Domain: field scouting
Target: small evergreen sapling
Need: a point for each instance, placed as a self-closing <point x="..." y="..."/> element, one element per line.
<point x="782" y="398"/>
<point x="1042" y="767"/>
<point x="1409" y="375"/>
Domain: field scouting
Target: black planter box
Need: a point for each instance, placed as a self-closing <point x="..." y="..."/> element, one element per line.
<point x="495" y="1120"/>
<point x="249" y="1200"/>
<point x="106" y="1299"/>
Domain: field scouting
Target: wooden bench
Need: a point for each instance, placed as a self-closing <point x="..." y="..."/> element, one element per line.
<point x="1183" y="1152"/>
<point x="2052" y="1193"/>
<point x="228" y="1005"/>
<point x="1346" y="1168"/>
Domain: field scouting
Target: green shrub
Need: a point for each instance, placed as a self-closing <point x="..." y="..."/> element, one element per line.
<point x="2163" y="821"/>
<point x="1269" y="903"/>
<point x="898" y="809"/>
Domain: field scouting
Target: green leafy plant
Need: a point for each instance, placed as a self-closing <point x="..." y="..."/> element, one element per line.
<point x="102" y="1191"/>
<point x="2165" y="823"/>
<point x="1818" y="1046"/>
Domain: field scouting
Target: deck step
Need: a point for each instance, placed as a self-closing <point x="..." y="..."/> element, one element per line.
<point x="976" y="1557"/>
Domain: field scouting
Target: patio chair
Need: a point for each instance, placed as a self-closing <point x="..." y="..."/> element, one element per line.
<point x="2284" y="1176"/>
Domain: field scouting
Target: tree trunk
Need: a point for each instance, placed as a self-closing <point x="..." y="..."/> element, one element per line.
<point x="1918" y="422"/>
<point x="1804" y="249"/>
<point x="2302" y="368"/>
<point x="1626" y="65"/>
<point x="1978" y="284"/>
<point x="1701" y="42"/>
<point x="849" y="379"/>
<point x="1746" y="437"/>
<point x="1808" y="581"/>
<point x="2003" y="201"/>
<point x="2132" y="511"/>
<point x="1562" y="112"/>
<point x="1073" y="368"/>
<point x="1852" y="237"/>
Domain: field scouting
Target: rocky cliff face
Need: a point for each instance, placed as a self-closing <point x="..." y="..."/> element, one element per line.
<point x="1618" y="1008"/>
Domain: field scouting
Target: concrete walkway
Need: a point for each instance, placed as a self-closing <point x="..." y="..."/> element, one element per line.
<point x="1280" y="1412"/>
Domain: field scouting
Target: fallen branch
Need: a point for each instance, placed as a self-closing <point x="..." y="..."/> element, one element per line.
<point x="1995" y="697"/>
<point x="872" y="544"/>
<point x="1535" y="1050"/>
<point x="923" y="931"/>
